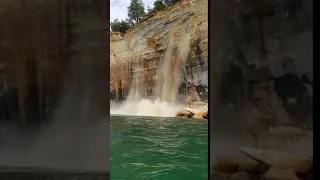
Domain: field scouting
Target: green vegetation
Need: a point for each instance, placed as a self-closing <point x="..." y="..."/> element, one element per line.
<point x="120" y="26"/>
<point x="158" y="5"/>
<point x="136" y="13"/>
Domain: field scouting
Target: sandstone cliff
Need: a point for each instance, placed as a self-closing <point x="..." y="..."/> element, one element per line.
<point x="46" y="47"/>
<point x="184" y="24"/>
<point x="33" y="46"/>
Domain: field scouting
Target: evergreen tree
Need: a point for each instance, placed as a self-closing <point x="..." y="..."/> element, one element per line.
<point x="120" y="26"/>
<point x="159" y="5"/>
<point x="136" y="10"/>
<point x="115" y="25"/>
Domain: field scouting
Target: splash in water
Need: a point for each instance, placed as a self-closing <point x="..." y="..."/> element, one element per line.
<point x="147" y="107"/>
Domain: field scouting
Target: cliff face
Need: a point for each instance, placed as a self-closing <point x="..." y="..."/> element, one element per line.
<point x="270" y="30"/>
<point x="184" y="26"/>
<point x="242" y="30"/>
<point x="264" y="56"/>
<point x="46" y="51"/>
<point x="87" y="78"/>
<point x="33" y="51"/>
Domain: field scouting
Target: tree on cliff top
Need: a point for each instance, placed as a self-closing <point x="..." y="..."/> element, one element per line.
<point x="158" y="5"/>
<point x="136" y="14"/>
<point x="136" y="10"/>
<point x="120" y="26"/>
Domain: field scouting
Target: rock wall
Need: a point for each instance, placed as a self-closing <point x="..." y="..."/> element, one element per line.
<point x="185" y="24"/>
<point x="33" y="52"/>
<point x="71" y="69"/>
<point x="48" y="50"/>
<point x="257" y="46"/>
<point x="87" y="79"/>
<point x="266" y="56"/>
<point x="279" y="30"/>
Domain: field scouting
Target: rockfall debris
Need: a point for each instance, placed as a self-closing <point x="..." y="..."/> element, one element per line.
<point x="201" y="113"/>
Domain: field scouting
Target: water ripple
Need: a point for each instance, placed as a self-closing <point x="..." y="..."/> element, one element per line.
<point x="158" y="148"/>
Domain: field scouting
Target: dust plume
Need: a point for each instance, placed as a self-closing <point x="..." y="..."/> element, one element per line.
<point x="165" y="102"/>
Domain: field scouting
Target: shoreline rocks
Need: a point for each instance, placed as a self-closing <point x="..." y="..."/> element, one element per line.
<point x="193" y="113"/>
<point x="298" y="164"/>
<point x="263" y="164"/>
<point x="184" y="114"/>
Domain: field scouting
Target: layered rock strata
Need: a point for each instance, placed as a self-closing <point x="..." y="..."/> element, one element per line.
<point x="182" y="28"/>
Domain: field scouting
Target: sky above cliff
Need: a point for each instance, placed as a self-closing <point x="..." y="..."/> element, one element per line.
<point x="119" y="8"/>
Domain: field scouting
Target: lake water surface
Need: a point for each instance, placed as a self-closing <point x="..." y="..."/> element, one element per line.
<point x="158" y="148"/>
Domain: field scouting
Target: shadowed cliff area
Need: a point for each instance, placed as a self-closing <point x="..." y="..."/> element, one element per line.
<point x="261" y="85"/>
<point x="76" y="134"/>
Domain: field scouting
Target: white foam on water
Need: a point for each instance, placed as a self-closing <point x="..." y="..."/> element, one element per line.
<point x="147" y="107"/>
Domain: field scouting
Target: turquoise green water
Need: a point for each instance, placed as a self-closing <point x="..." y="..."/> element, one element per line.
<point x="154" y="148"/>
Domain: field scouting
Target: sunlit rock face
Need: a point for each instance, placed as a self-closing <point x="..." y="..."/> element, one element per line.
<point x="169" y="44"/>
<point x="148" y="38"/>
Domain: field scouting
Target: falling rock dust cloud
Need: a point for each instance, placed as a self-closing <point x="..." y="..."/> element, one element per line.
<point x="167" y="84"/>
<point x="77" y="137"/>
